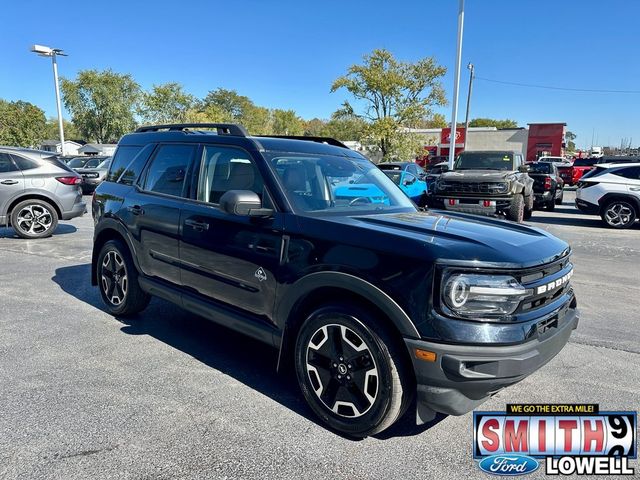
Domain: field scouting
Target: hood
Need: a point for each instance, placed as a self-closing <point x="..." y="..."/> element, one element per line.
<point x="459" y="237"/>
<point x="476" y="175"/>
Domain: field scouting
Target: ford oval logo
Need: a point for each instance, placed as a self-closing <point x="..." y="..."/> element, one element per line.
<point x="509" y="464"/>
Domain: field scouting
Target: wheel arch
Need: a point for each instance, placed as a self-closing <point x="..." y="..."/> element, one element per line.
<point x="109" y="230"/>
<point x="608" y="197"/>
<point x="34" y="196"/>
<point x="314" y="290"/>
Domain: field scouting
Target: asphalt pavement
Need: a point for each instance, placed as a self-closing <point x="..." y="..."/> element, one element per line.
<point x="169" y="395"/>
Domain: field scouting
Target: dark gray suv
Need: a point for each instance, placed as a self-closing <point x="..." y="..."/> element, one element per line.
<point x="37" y="190"/>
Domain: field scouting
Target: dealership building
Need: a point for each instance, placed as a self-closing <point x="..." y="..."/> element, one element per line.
<point x="534" y="141"/>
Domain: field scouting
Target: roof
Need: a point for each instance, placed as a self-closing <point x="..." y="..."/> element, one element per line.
<point x="618" y="165"/>
<point x="57" y="142"/>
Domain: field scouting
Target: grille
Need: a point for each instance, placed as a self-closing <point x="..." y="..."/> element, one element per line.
<point x="545" y="275"/>
<point x="480" y="187"/>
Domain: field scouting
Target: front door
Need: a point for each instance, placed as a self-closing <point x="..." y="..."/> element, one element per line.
<point x="228" y="258"/>
<point x="11" y="182"/>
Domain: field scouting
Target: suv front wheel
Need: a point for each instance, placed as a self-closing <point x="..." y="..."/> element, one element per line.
<point x="619" y="213"/>
<point x="516" y="209"/>
<point x="118" y="280"/>
<point x="351" y="375"/>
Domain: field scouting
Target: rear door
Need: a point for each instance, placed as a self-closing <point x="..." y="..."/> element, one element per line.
<point x="152" y="210"/>
<point x="228" y="258"/>
<point x="11" y="182"/>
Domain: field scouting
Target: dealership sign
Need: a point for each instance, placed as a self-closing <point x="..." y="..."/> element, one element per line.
<point x="571" y="439"/>
<point x="445" y="136"/>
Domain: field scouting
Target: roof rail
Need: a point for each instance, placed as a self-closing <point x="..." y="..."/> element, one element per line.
<point x="327" y="140"/>
<point x="232" y="129"/>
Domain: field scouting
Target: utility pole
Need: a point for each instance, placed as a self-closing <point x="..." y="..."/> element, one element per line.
<point x="456" y="85"/>
<point x="466" y="121"/>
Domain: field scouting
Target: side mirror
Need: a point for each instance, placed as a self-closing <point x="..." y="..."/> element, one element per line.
<point x="243" y="203"/>
<point x="523" y="168"/>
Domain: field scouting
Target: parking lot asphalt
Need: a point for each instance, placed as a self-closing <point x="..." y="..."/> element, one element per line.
<point x="170" y="395"/>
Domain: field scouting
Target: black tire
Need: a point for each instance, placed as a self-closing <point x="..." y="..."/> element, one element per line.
<point x="34" y="218"/>
<point x="516" y="209"/>
<point x="424" y="200"/>
<point x="560" y="198"/>
<point x="118" y="280"/>
<point x="619" y="214"/>
<point x="551" y="205"/>
<point x="374" y="375"/>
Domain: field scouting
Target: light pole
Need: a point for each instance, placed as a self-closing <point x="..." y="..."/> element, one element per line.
<point x="466" y="122"/>
<point x="53" y="53"/>
<point x="456" y="85"/>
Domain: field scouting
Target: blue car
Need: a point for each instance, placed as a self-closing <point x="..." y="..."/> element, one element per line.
<point x="410" y="177"/>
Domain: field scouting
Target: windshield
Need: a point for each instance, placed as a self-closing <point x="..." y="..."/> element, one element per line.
<point x="540" y="167"/>
<point x="585" y="162"/>
<point x="93" y="163"/>
<point x="105" y="164"/>
<point x="324" y="183"/>
<point x="484" y="161"/>
<point x="77" y="162"/>
<point x="394" y="175"/>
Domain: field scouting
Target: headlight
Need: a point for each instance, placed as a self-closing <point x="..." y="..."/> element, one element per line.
<point x="500" y="188"/>
<point x="477" y="296"/>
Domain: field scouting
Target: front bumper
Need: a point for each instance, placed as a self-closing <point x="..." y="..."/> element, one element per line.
<point x="473" y="204"/>
<point x="464" y="376"/>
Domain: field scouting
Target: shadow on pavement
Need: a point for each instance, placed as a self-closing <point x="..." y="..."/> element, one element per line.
<point x="62" y="229"/>
<point x="249" y="361"/>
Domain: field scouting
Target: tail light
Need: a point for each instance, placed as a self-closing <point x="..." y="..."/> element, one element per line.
<point x="547" y="183"/>
<point x="70" y="180"/>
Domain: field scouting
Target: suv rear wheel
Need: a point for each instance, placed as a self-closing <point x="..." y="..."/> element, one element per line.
<point x="34" y="218"/>
<point x="352" y="376"/>
<point x="516" y="209"/>
<point x="118" y="280"/>
<point x="619" y="213"/>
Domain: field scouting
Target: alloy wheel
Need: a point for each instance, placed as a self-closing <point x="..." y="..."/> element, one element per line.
<point x="113" y="277"/>
<point x="618" y="214"/>
<point x="34" y="219"/>
<point x="342" y="370"/>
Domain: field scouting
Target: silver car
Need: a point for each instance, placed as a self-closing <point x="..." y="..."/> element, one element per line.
<point x="92" y="176"/>
<point x="37" y="190"/>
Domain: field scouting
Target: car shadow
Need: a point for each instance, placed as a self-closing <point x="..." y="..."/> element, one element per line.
<point x="61" y="229"/>
<point x="254" y="364"/>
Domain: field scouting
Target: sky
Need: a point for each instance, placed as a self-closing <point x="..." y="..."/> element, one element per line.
<point x="286" y="53"/>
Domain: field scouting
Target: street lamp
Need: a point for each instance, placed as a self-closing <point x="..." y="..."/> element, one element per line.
<point x="53" y="53"/>
<point x="456" y="85"/>
<point x="466" y="122"/>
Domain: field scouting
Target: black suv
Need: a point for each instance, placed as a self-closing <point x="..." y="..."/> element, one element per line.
<point x="487" y="183"/>
<point x="307" y="246"/>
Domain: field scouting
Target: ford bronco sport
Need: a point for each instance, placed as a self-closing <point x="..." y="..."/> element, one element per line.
<point x="487" y="183"/>
<point x="372" y="301"/>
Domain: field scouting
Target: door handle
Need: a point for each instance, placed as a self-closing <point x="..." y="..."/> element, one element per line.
<point x="136" y="210"/>
<point x="9" y="182"/>
<point x="197" y="226"/>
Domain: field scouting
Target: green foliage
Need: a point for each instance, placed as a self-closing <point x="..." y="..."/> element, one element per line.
<point x="286" y="122"/>
<point x="52" y="131"/>
<point x="22" y="124"/>
<point x="167" y="103"/>
<point x="490" y="122"/>
<point x="229" y="106"/>
<point x="395" y="95"/>
<point x="346" y="128"/>
<point x="102" y="104"/>
<point x="437" y="121"/>
<point x="570" y="137"/>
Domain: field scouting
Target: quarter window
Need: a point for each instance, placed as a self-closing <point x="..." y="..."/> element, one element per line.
<point x="24" y="163"/>
<point x="223" y="169"/>
<point x="123" y="167"/>
<point x="629" y="172"/>
<point x="168" y="170"/>
<point x="6" y="164"/>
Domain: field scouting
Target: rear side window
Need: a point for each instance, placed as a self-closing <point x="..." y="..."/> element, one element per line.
<point x="123" y="165"/>
<point x="24" y="163"/>
<point x="629" y="172"/>
<point x="6" y="164"/>
<point x="168" y="170"/>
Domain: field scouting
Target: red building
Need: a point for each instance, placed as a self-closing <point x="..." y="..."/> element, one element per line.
<point x="546" y="139"/>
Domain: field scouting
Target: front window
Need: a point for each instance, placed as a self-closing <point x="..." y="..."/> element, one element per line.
<point x="324" y="183"/>
<point x="540" y="167"/>
<point x="93" y="163"/>
<point x="105" y="164"/>
<point x="484" y="161"/>
<point x="585" y="162"/>
<point x="78" y="162"/>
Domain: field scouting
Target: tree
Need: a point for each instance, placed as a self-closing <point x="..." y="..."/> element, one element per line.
<point x="102" y="104"/>
<point x="236" y="108"/>
<point x="395" y="95"/>
<point x="490" y="122"/>
<point x="570" y="137"/>
<point x="52" y="130"/>
<point x="167" y="103"/>
<point x="21" y="124"/>
<point x="437" y="121"/>
<point x="345" y="128"/>
<point x="314" y="127"/>
<point x="286" y="122"/>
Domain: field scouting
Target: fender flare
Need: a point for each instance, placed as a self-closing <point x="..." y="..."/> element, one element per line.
<point x="608" y="196"/>
<point x="30" y="193"/>
<point x="113" y="225"/>
<point x="350" y="283"/>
